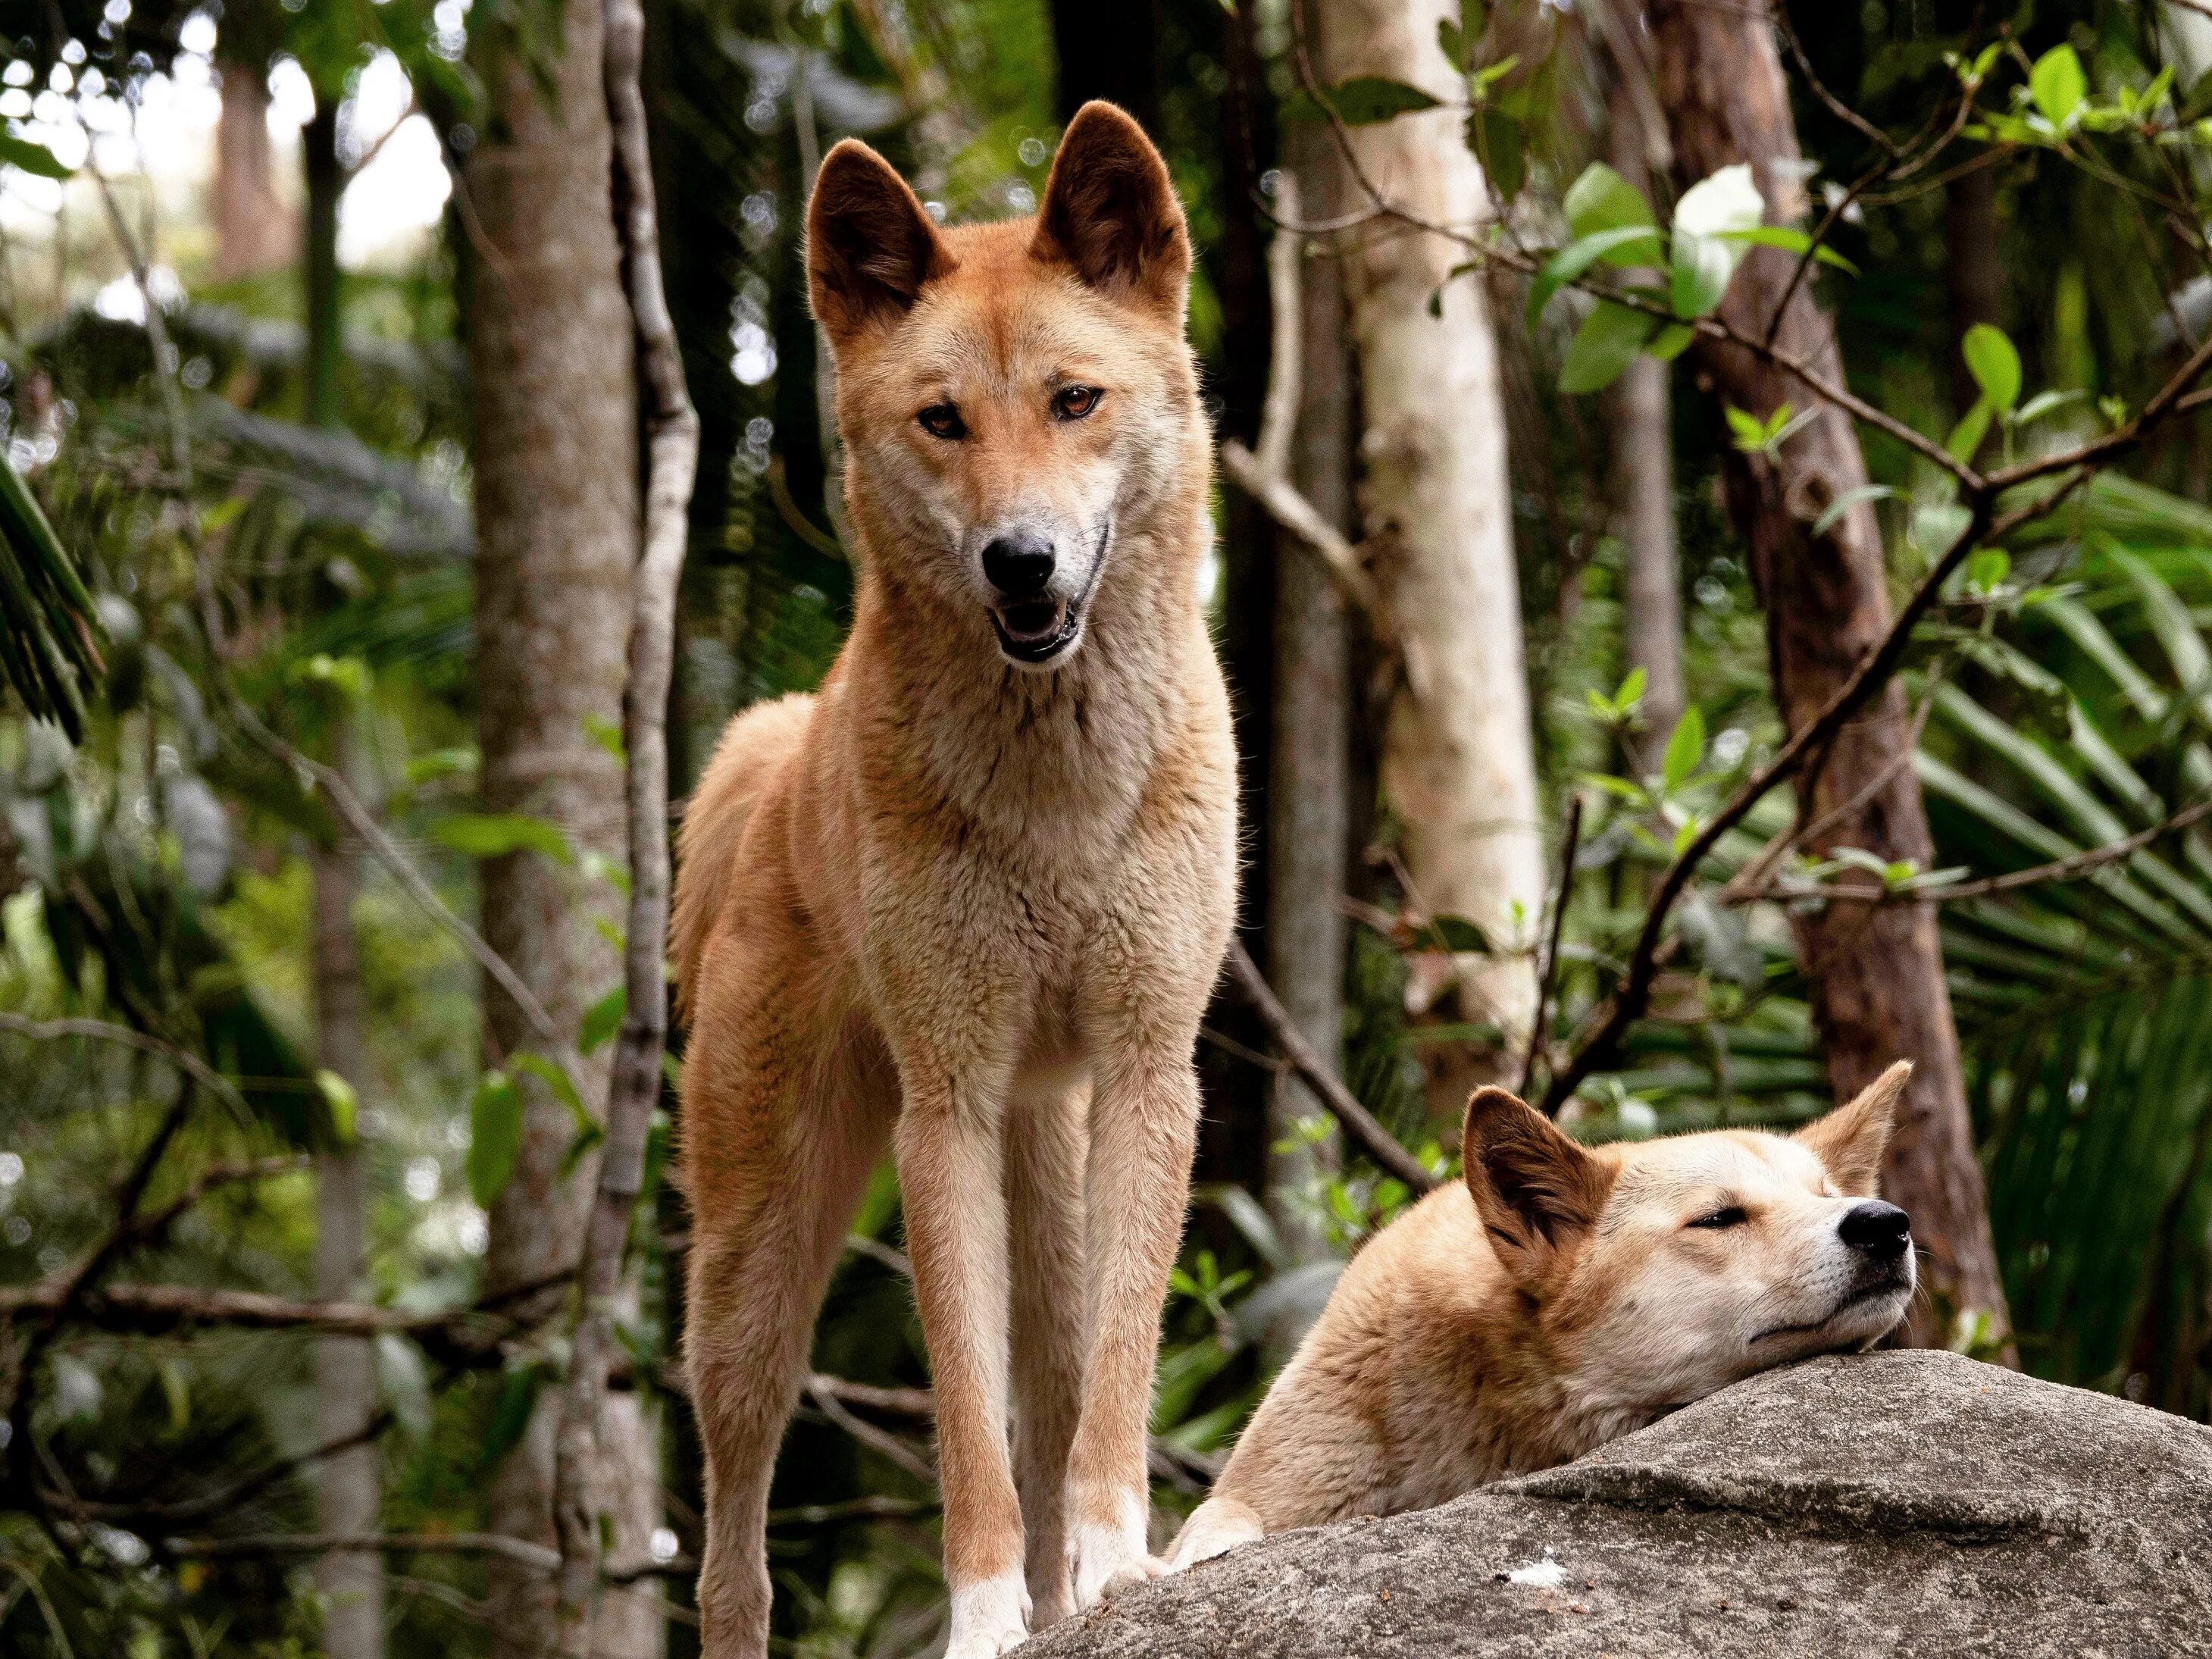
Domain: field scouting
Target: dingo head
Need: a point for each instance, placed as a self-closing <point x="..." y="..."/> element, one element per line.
<point x="1668" y="1268"/>
<point x="1016" y="399"/>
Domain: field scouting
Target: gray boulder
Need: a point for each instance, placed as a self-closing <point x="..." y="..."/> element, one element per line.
<point x="1902" y="1503"/>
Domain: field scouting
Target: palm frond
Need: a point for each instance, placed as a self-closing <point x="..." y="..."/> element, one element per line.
<point x="49" y="631"/>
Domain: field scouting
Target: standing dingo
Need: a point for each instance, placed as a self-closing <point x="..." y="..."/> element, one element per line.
<point x="969" y="899"/>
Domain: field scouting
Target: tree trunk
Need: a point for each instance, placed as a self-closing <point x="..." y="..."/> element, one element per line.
<point x="1109" y="52"/>
<point x="1458" y="762"/>
<point x="1876" y="971"/>
<point x="254" y="231"/>
<point x="326" y="182"/>
<point x="1642" y="419"/>
<point x="349" y="1487"/>
<point x="554" y="405"/>
<point x="1308" y="804"/>
<point x="1644" y="481"/>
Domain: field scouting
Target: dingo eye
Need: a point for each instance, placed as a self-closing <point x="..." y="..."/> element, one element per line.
<point x="1730" y="1215"/>
<point x="943" y="421"/>
<point x="1073" y="402"/>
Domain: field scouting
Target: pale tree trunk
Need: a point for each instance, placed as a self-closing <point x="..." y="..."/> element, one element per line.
<point x="1643" y="477"/>
<point x="1458" y="761"/>
<point x="253" y="229"/>
<point x="1310" y="775"/>
<point x="1876" y="971"/>
<point x="554" y="405"/>
<point x="1641" y="419"/>
<point x="349" y="1487"/>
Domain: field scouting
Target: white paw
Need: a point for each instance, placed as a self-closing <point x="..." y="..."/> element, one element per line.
<point x="989" y="1617"/>
<point x="1108" y="1558"/>
<point x="1215" y="1528"/>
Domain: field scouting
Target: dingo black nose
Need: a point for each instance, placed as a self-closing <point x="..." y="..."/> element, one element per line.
<point x="1018" y="566"/>
<point x="1883" y="1230"/>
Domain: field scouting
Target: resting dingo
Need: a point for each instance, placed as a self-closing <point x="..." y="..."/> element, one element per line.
<point x="1560" y="1296"/>
<point x="969" y="900"/>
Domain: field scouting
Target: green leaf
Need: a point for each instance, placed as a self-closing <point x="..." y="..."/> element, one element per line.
<point x="1363" y="101"/>
<point x="1685" y="749"/>
<point x="1603" y="200"/>
<point x="494" y="1136"/>
<point x="495" y="834"/>
<point x="1632" y="689"/>
<point x="602" y="1019"/>
<point x="1844" y="503"/>
<point x="1987" y="568"/>
<point x="1452" y="41"/>
<point x="1701" y="272"/>
<point x="1457" y="935"/>
<point x="511" y="1412"/>
<point x="608" y="734"/>
<point x="31" y="158"/>
<point x="1496" y="137"/>
<point x="1791" y="240"/>
<point x="2045" y="403"/>
<point x="441" y="763"/>
<point x="1670" y="342"/>
<point x="1966" y="437"/>
<point x="1579" y="255"/>
<point x="1993" y="362"/>
<point x="1604" y="346"/>
<point x="2058" y="83"/>
<point x="340" y="1102"/>
<point x="1746" y="431"/>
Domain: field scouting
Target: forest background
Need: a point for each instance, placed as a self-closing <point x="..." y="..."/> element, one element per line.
<point x="1713" y="574"/>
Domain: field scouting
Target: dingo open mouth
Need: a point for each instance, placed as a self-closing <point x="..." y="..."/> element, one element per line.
<point x="1037" y="630"/>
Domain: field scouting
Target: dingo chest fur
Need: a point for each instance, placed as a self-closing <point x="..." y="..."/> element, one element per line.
<point x="1560" y="1296"/>
<point x="969" y="900"/>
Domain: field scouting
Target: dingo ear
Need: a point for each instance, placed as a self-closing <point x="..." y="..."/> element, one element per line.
<point x="870" y="246"/>
<point x="1110" y="212"/>
<point x="1850" y="1140"/>
<point x="1534" y="1188"/>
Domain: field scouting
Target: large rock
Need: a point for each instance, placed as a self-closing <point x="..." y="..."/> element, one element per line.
<point x="1906" y="1502"/>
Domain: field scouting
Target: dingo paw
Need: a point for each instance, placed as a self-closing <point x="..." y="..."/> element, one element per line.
<point x="1110" y="1559"/>
<point x="989" y="1617"/>
<point x="1215" y="1528"/>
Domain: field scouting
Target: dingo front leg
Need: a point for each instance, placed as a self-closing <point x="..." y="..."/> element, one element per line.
<point x="1144" y="1127"/>
<point x="1044" y="1140"/>
<point x="950" y="1178"/>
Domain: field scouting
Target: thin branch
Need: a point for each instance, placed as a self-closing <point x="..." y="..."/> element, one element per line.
<point x="225" y="1499"/>
<point x="1629" y="1000"/>
<point x="63" y="1292"/>
<point x="2071" y="868"/>
<point x="1547" y="965"/>
<point x="254" y="1546"/>
<point x="467" y="1335"/>
<point x="885" y="1445"/>
<point x="1263" y="472"/>
<point x="634" y="1085"/>
<point x="917" y="1403"/>
<point x="101" y="1030"/>
<point x="1358" y="1122"/>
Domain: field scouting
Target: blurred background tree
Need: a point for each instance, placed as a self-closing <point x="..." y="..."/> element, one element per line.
<point x="321" y="499"/>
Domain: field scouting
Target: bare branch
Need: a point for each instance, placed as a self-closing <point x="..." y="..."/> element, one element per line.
<point x="1547" y="966"/>
<point x="101" y="1030"/>
<point x="2073" y="868"/>
<point x="633" y="1086"/>
<point x="1358" y="1122"/>
<point x="1263" y="473"/>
